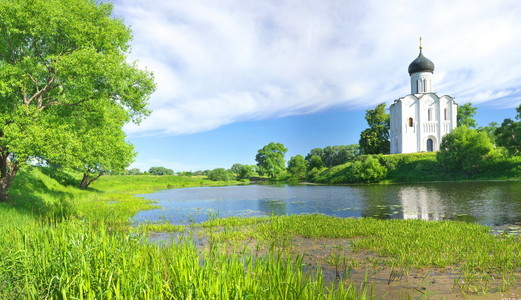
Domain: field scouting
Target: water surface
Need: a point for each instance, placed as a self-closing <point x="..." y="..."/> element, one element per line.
<point x="489" y="203"/>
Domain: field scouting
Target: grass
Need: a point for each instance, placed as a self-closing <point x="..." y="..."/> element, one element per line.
<point x="60" y="242"/>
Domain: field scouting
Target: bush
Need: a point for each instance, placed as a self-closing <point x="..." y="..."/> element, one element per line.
<point x="367" y="170"/>
<point x="160" y="171"/>
<point x="221" y="174"/>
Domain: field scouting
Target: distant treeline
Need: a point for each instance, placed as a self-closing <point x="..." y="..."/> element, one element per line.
<point x="491" y="152"/>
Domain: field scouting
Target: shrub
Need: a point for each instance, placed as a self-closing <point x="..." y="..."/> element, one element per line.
<point x="221" y="174"/>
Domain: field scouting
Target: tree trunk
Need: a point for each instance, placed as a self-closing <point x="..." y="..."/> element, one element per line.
<point x="8" y="171"/>
<point x="87" y="180"/>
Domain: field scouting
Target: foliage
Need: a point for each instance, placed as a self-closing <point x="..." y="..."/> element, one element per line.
<point x="466" y="114"/>
<point x="314" y="174"/>
<point x="375" y="139"/>
<point x="96" y="152"/>
<point x="464" y="149"/>
<point x="315" y="162"/>
<point x="246" y="171"/>
<point x="508" y="135"/>
<point x="236" y="168"/>
<point x="221" y="174"/>
<point x="134" y="171"/>
<point x="491" y="130"/>
<point x="335" y="155"/>
<point x="297" y="166"/>
<point x="64" y="64"/>
<point x="270" y="159"/>
<point x="160" y="171"/>
<point x="186" y="173"/>
<point x="367" y="170"/>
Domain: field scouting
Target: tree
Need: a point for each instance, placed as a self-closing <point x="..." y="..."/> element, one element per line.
<point x="508" y="135"/>
<point x="134" y="171"/>
<point x="338" y="155"/>
<point x="160" y="171"/>
<point x="375" y="139"/>
<point x="97" y="149"/>
<point x="220" y="174"/>
<point x="236" y="168"/>
<point x="62" y="63"/>
<point x="246" y="172"/>
<point x="367" y="170"/>
<point x="270" y="159"/>
<point x="335" y="155"/>
<point x="466" y="114"/>
<point x="316" y="162"/>
<point x="102" y="153"/>
<point x="464" y="149"/>
<point x="490" y="130"/>
<point x="315" y="152"/>
<point x="297" y="166"/>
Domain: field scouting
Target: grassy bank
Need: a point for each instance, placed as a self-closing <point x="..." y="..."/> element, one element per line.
<point x="60" y="242"/>
<point x="413" y="167"/>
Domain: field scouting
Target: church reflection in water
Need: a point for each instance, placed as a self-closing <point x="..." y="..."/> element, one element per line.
<point x="421" y="203"/>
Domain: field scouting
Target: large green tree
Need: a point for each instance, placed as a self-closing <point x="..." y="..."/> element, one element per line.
<point x="464" y="149"/>
<point x="375" y="139"/>
<point x="466" y="113"/>
<point x="297" y="166"/>
<point x="63" y="63"/>
<point x="270" y="159"/>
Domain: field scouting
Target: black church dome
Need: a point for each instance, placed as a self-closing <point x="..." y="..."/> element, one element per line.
<point x="421" y="64"/>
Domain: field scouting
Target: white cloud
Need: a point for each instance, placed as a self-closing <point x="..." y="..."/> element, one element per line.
<point x="220" y="62"/>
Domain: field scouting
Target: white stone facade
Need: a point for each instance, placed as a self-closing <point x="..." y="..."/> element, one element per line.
<point x="421" y="119"/>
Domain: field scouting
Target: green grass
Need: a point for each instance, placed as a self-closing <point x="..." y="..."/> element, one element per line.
<point x="60" y="242"/>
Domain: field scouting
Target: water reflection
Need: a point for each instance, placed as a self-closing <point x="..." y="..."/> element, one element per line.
<point x="421" y="203"/>
<point x="490" y="203"/>
<point x="273" y="206"/>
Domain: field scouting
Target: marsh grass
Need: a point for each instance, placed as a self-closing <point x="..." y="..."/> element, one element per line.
<point x="60" y="242"/>
<point x="484" y="262"/>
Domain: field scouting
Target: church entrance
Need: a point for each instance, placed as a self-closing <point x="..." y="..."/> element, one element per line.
<point x="430" y="145"/>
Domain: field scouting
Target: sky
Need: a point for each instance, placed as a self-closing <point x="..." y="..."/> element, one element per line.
<point x="235" y="75"/>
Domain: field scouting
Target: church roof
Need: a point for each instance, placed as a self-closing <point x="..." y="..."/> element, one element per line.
<point x="421" y="64"/>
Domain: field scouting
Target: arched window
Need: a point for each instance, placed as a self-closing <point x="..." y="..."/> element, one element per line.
<point x="429" y="114"/>
<point x="446" y="117"/>
<point x="430" y="145"/>
<point x="410" y="122"/>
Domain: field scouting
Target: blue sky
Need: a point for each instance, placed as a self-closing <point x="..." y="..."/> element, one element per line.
<point x="234" y="75"/>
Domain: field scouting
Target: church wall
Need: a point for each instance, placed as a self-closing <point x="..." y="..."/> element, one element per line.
<point x="432" y="118"/>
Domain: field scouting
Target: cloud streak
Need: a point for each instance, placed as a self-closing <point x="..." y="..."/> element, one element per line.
<point x="221" y="62"/>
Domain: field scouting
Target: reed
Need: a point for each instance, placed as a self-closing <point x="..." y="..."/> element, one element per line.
<point x="59" y="242"/>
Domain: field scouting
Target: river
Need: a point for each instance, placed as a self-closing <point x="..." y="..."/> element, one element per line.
<point x="488" y="203"/>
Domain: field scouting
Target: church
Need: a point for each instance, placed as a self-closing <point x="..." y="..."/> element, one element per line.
<point x="421" y="119"/>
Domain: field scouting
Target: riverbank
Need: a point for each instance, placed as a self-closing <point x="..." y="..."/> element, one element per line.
<point x="413" y="167"/>
<point x="62" y="242"/>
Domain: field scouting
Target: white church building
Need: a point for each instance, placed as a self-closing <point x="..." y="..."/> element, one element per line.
<point x="421" y="119"/>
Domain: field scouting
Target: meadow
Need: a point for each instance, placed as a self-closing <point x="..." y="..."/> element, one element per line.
<point x="60" y="242"/>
